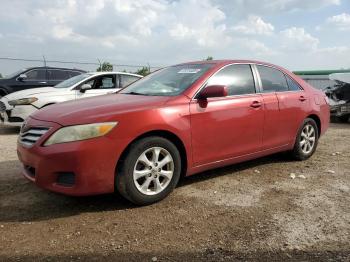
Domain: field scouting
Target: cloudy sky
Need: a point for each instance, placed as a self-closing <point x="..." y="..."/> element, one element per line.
<point x="297" y="34"/>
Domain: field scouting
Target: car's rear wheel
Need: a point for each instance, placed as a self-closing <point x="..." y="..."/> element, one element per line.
<point x="149" y="171"/>
<point x="306" y="140"/>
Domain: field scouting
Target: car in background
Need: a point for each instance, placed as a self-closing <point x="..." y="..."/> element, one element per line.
<point x="35" y="77"/>
<point x="339" y="96"/>
<point x="16" y="107"/>
<point x="180" y="120"/>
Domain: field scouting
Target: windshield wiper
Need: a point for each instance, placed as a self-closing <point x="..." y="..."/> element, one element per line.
<point x="135" y="93"/>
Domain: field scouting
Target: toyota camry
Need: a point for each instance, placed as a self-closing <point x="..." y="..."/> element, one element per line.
<point x="175" y="122"/>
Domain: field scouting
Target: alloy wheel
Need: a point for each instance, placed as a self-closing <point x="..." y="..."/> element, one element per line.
<point x="307" y="139"/>
<point x="153" y="171"/>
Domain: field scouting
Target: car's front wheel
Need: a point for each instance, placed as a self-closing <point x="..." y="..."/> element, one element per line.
<point x="306" y="140"/>
<point x="149" y="171"/>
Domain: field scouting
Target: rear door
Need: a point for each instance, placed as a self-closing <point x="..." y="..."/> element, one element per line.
<point x="56" y="76"/>
<point x="231" y="126"/>
<point x="283" y="107"/>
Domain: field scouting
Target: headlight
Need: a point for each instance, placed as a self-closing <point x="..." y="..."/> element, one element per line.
<point x="80" y="132"/>
<point x="23" y="101"/>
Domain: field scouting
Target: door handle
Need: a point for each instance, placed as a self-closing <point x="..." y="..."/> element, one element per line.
<point x="302" y="98"/>
<point x="256" y="104"/>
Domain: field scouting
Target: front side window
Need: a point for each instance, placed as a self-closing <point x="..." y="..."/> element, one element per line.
<point x="170" y="81"/>
<point x="107" y="82"/>
<point x="272" y="79"/>
<point x="74" y="73"/>
<point x="102" y="82"/>
<point x="36" y="75"/>
<point x="238" y="79"/>
<point x="126" y="80"/>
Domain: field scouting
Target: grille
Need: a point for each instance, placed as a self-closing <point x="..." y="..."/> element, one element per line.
<point x="32" y="135"/>
<point x="66" y="179"/>
<point x="2" y="107"/>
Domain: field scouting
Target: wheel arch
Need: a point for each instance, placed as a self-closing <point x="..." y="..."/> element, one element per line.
<point x="3" y="91"/>
<point x="164" y="134"/>
<point x="318" y="122"/>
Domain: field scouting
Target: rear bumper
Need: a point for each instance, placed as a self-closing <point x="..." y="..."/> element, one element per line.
<point x="89" y="165"/>
<point x="340" y="110"/>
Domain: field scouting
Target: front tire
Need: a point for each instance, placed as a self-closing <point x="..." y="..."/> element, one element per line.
<point x="150" y="170"/>
<point x="306" y="140"/>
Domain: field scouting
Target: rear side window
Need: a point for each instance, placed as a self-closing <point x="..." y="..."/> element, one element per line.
<point x="36" y="75"/>
<point x="272" y="79"/>
<point x="74" y="73"/>
<point x="238" y="79"/>
<point x="127" y="80"/>
<point x="292" y="85"/>
<point x="58" y="74"/>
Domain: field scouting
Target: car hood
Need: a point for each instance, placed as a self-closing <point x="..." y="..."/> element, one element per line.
<point x="33" y="91"/>
<point x="97" y="109"/>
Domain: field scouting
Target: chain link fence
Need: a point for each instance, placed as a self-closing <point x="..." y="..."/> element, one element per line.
<point x="12" y="64"/>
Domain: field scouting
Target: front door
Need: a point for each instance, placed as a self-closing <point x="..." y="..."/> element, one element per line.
<point x="35" y="78"/>
<point x="231" y="126"/>
<point x="100" y="85"/>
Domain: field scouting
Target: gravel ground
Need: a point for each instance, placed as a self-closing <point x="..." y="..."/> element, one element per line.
<point x="251" y="211"/>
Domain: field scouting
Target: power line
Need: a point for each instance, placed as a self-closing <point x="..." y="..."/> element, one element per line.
<point x="73" y="62"/>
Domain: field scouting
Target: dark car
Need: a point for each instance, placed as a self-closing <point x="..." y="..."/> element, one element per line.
<point x="339" y="96"/>
<point x="35" y="77"/>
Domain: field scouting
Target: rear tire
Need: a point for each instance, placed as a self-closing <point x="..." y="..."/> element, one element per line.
<point x="306" y="140"/>
<point x="150" y="170"/>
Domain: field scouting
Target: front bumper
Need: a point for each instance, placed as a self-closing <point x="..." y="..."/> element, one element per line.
<point x="15" y="116"/>
<point x="91" y="164"/>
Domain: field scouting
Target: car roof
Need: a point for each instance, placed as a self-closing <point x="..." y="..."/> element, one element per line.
<point x="113" y="72"/>
<point x="50" y="67"/>
<point x="229" y="61"/>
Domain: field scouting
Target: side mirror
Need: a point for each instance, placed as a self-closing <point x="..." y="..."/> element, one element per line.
<point x="22" y="77"/>
<point x="213" y="91"/>
<point x="85" y="87"/>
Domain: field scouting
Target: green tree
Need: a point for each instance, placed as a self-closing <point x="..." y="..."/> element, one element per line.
<point x="143" y="71"/>
<point x="106" y="66"/>
<point x="209" y="58"/>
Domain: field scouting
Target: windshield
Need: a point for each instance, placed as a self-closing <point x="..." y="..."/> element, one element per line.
<point x="16" y="73"/>
<point x="170" y="81"/>
<point x="72" y="81"/>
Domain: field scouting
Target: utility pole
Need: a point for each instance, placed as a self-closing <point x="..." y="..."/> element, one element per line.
<point x="44" y="60"/>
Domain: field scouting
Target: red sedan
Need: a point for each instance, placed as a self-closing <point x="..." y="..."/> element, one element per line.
<point x="180" y="120"/>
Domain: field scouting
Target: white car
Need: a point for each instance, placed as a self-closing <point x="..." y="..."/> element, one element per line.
<point x="16" y="107"/>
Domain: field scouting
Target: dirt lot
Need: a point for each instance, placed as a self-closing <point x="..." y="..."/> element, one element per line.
<point x="250" y="211"/>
